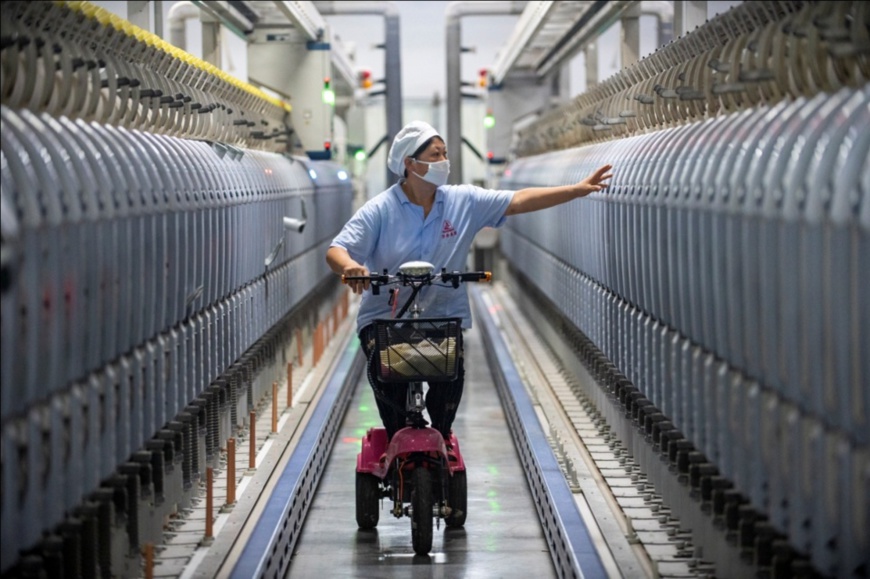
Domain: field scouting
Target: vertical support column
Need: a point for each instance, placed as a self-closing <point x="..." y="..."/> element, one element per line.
<point x="561" y="88"/>
<point x="231" y="473"/>
<point x="274" y="407"/>
<point x="139" y="13"/>
<point x="688" y="16"/>
<point x="630" y="50"/>
<point x="289" y="385"/>
<point x="393" y="81"/>
<point x="252" y="458"/>
<point x="454" y="100"/>
<point x="318" y="344"/>
<point x="211" y="39"/>
<point x="208" y="539"/>
<point x="590" y="55"/>
<point x="148" y="552"/>
<point x="158" y="18"/>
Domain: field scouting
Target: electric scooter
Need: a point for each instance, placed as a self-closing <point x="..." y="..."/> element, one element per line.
<point x="421" y="473"/>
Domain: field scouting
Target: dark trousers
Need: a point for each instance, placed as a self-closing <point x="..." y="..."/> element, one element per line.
<point x="442" y="398"/>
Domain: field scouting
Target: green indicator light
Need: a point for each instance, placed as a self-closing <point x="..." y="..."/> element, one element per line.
<point x="329" y="97"/>
<point x="489" y="121"/>
<point x="360" y="155"/>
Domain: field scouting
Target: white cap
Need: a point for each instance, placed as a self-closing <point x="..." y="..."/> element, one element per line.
<point x="409" y="139"/>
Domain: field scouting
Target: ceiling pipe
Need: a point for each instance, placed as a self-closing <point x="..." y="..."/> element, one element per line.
<point x="392" y="57"/>
<point x="454" y="14"/>
<point x="177" y="18"/>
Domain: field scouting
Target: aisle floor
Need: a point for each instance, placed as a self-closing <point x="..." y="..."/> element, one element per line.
<point x="502" y="537"/>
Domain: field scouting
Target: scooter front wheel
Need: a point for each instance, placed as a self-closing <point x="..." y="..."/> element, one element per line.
<point x="421" y="511"/>
<point x="367" y="500"/>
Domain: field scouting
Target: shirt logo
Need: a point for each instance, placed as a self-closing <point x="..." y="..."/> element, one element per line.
<point x="447" y="230"/>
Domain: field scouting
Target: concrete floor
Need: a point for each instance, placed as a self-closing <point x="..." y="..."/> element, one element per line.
<point x="502" y="537"/>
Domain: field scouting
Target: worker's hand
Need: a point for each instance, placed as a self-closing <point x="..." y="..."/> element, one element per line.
<point x="596" y="181"/>
<point x="353" y="270"/>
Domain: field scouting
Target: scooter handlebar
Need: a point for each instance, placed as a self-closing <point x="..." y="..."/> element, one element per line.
<point x="456" y="277"/>
<point x="445" y="276"/>
<point x="481" y="276"/>
<point x="375" y="278"/>
<point x="453" y="278"/>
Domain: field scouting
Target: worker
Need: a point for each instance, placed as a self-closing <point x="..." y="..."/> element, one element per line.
<point x="421" y="218"/>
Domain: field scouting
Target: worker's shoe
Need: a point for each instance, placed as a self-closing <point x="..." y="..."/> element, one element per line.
<point x="451" y="453"/>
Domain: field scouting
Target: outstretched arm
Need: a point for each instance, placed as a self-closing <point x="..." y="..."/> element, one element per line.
<point x="537" y="198"/>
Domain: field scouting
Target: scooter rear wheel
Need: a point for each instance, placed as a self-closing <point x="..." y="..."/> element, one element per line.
<point x="421" y="511"/>
<point x="367" y="500"/>
<point x="458" y="500"/>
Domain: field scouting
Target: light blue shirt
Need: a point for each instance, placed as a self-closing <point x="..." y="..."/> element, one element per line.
<point x="389" y="230"/>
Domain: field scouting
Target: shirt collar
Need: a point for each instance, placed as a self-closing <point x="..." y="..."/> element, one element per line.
<point x="403" y="198"/>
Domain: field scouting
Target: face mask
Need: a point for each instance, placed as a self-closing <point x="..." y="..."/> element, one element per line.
<point x="437" y="174"/>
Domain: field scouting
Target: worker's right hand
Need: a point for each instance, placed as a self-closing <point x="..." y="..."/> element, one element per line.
<point x="356" y="270"/>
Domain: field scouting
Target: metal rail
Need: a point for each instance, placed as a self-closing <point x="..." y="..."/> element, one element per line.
<point x="571" y="547"/>
<point x="270" y="546"/>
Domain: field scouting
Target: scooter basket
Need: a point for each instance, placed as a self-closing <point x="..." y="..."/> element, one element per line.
<point x="418" y="350"/>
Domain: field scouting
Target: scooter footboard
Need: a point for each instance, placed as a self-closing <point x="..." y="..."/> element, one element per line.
<point x="456" y="462"/>
<point x="374" y="444"/>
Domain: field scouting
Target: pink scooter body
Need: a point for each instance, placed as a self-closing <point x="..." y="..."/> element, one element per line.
<point x="406" y="441"/>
